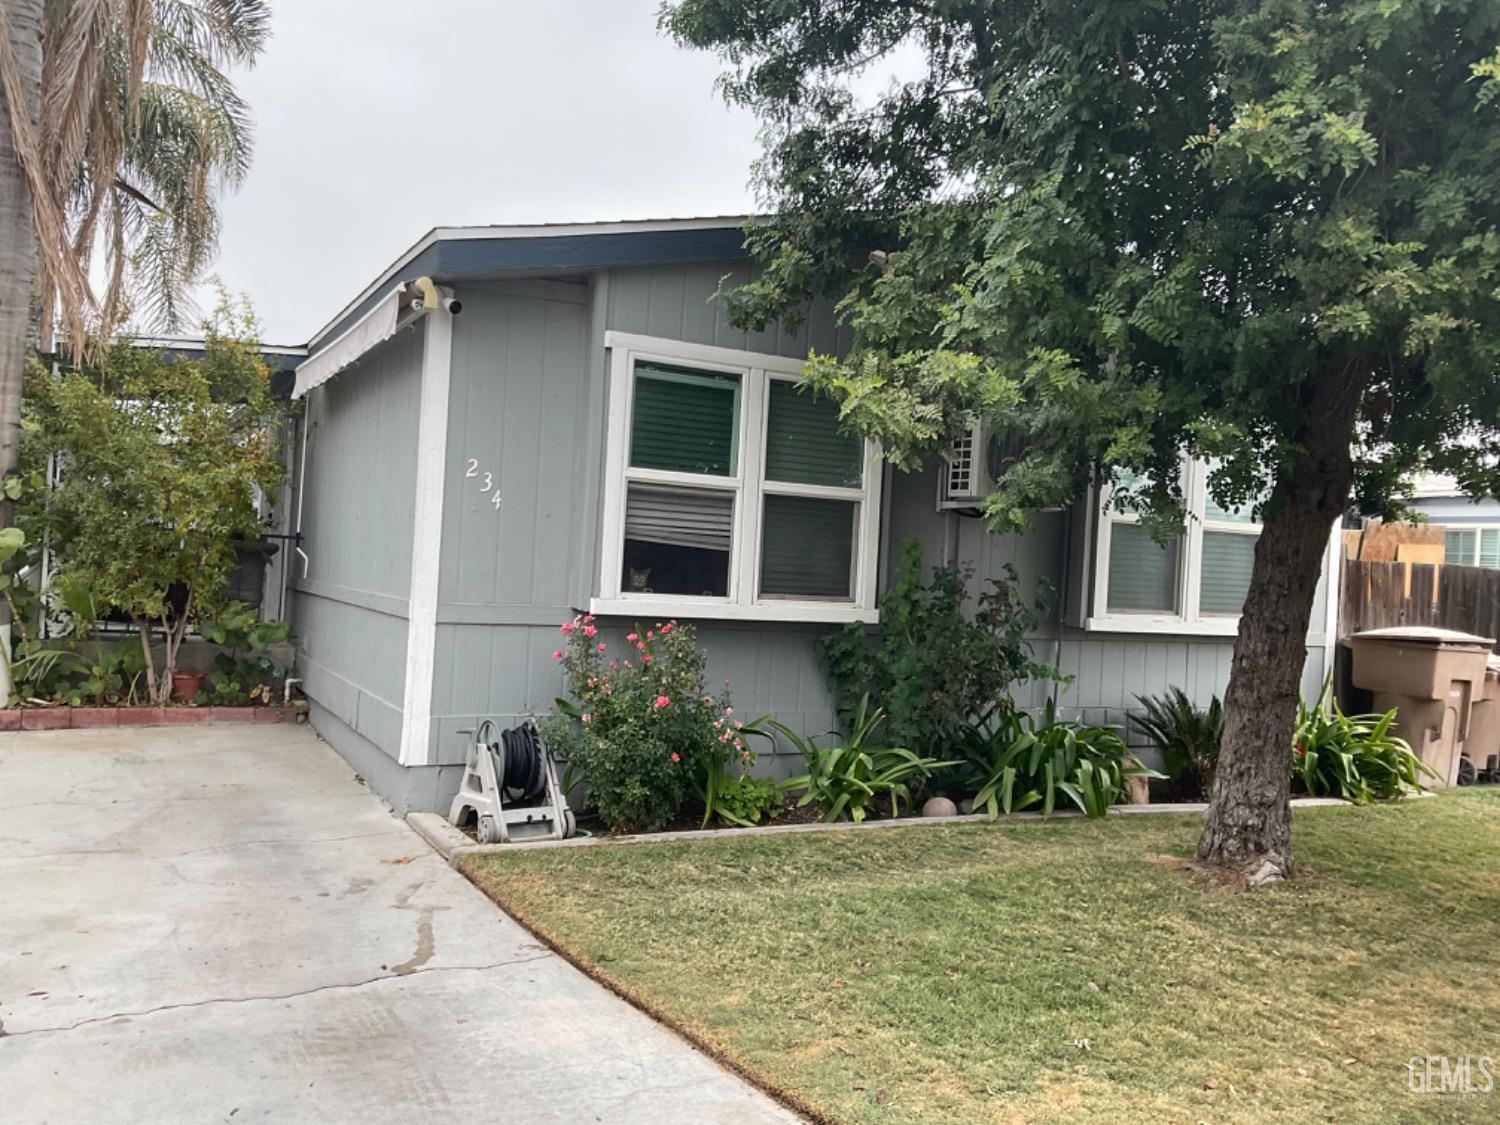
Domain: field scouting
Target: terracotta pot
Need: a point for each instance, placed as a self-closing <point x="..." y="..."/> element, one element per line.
<point x="185" y="685"/>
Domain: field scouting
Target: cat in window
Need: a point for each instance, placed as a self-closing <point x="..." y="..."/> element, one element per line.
<point x="640" y="580"/>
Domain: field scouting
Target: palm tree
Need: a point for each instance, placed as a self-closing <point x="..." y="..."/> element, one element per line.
<point x="118" y="130"/>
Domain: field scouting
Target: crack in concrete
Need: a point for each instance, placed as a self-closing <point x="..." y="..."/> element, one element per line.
<point x="299" y="840"/>
<point x="342" y="986"/>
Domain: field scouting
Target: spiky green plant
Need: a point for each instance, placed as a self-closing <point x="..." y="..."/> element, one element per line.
<point x="1188" y="738"/>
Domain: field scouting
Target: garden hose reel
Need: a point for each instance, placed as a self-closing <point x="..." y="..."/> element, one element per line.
<point x="510" y="788"/>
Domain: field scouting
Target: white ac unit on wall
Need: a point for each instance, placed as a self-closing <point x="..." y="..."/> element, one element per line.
<point x="977" y="459"/>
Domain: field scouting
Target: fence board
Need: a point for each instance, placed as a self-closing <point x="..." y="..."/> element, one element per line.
<point x="1379" y="595"/>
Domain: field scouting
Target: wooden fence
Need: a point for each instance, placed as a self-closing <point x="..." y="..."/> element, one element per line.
<point x="1377" y="595"/>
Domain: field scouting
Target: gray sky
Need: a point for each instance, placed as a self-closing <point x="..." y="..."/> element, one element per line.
<point x="379" y="119"/>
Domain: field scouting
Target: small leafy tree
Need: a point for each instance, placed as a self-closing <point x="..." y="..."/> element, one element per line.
<point x="938" y="661"/>
<point x="1264" y="233"/>
<point x="160" y="460"/>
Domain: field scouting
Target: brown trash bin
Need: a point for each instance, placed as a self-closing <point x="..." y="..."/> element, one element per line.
<point x="1432" y="677"/>
<point x="1482" y="747"/>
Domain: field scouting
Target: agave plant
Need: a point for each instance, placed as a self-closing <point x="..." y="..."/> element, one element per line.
<point x="848" y="779"/>
<point x="1355" y="757"/>
<point x="1187" y="736"/>
<point x="1021" y="762"/>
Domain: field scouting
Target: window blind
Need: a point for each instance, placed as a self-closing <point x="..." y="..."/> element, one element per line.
<point x="1458" y="548"/>
<point x="679" y="517"/>
<point x="684" y="421"/>
<point x="803" y="441"/>
<point x="1489" y="548"/>
<point x="1142" y="574"/>
<point x="807" y="547"/>
<point x="1227" y="561"/>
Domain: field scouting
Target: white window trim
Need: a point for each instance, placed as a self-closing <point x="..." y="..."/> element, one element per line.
<point x="757" y="372"/>
<point x="1189" y="619"/>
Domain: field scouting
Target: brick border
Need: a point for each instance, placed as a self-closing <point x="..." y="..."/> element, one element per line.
<point x="94" y="718"/>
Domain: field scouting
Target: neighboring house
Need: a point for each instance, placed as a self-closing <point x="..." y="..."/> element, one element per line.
<point x="1472" y="526"/>
<point x="588" y="433"/>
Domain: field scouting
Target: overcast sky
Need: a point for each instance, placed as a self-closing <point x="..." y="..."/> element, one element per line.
<point x="379" y="119"/>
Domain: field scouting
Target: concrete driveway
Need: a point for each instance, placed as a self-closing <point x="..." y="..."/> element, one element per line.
<point x="222" y="924"/>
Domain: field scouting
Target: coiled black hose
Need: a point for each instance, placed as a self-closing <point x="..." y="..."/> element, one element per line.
<point x="520" y="754"/>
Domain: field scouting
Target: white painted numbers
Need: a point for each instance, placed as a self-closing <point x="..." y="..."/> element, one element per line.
<point x="486" y="480"/>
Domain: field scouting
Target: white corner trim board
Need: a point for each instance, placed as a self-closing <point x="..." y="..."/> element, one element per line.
<point x="427" y="535"/>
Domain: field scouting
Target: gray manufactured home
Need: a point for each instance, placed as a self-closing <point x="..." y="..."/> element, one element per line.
<point x="513" y="425"/>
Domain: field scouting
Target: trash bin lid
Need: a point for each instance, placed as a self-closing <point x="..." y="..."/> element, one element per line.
<point x="1423" y="635"/>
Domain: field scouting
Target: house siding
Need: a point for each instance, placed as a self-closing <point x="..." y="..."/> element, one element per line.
<point x="349" y="610"/>
<point x="1458" y="511"/>
<point x="527" y="403"/>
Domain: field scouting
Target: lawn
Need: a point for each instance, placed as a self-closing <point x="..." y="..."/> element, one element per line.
<point x="1048" y="970"/>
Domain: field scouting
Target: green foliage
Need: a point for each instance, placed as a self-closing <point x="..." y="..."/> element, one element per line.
<point x="161" y="457"/>
<point x="79" y="672"/>
<point x="1354" y="757"/>
<point x="931" y="666"/>
<point x="1188" y="738"/>
<point x="1129" y="232"/>
<point x="641" y="731"/>
<point x="243" y="673"/>
<point x="744" y="800"/>
<point x="851" y="778"/>
<point x="1014" y="762"/>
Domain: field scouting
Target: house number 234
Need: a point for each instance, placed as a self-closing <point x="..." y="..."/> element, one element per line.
<point x="485" y="478"/>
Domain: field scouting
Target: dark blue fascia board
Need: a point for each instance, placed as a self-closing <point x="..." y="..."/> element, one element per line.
<point x="473" y="259"/>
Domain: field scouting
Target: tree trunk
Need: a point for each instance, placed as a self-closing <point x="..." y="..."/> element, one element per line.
<point x="1249" y="818"/>
<point x="18" y="249"/>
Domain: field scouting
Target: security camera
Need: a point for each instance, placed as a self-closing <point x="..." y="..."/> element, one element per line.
<point x="452" y="305"/>
<point x="416" y="304"/>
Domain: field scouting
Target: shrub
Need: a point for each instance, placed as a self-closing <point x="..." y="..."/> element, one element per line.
<point x="1014" y="762"/>
<point x="1188" y="738"/>
<point x="930" y="666"/>
<point x="243" y="673"/>
<point x="849" y="779"/>
<point x="640" y="731"/>
<point x="743" y="800"/>
<point x="1355" y="757"/>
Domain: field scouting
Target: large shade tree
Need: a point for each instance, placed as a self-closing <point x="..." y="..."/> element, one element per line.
<point x="1262" y="233"/>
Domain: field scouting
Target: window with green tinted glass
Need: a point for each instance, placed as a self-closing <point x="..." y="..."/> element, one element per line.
<point x="807" y="547"/>
<point x="685" y="421"/>
<point x="804" y="444"/>
<point x="1142" y="574"/>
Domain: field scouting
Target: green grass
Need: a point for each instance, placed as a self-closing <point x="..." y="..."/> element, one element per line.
<point x="1038" y="971"/>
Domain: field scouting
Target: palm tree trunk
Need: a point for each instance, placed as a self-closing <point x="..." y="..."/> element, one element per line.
<point x="22" y="22"/>
<point x="18" y="251"/>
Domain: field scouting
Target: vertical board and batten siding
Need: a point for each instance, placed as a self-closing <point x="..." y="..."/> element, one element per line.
<point x="528" y="402"/>
<point x="528" y="399"/>
<point x="1108" y="670"/>
<point x="349" y="612"/>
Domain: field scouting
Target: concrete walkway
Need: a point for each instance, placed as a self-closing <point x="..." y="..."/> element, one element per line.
<point x="222" y="924"/>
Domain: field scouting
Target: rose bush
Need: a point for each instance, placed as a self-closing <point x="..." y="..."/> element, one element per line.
<point x="640" y="728"/>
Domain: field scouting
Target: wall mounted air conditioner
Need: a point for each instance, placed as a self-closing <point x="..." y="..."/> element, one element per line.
<point x="977" y="459"/>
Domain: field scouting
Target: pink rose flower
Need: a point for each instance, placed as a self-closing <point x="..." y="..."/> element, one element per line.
<point x="667" y="628"/>
<point x="662" y="702"/>
<point x="631" y="637"/>
<point x="557" y="654"/>
<point x="738" y="725"/>
<point x="729" y="710"/>
<point x="675" y="758"/>
<point x="645" y="660"/>
<point x="588" y="718"/>
<point x="650" y="636"/>
<point x="601" y="646"/>
<point x="589" y="631"/>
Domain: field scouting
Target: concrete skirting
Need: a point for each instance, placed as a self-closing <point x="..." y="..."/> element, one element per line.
<point x="453" y="845"/>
